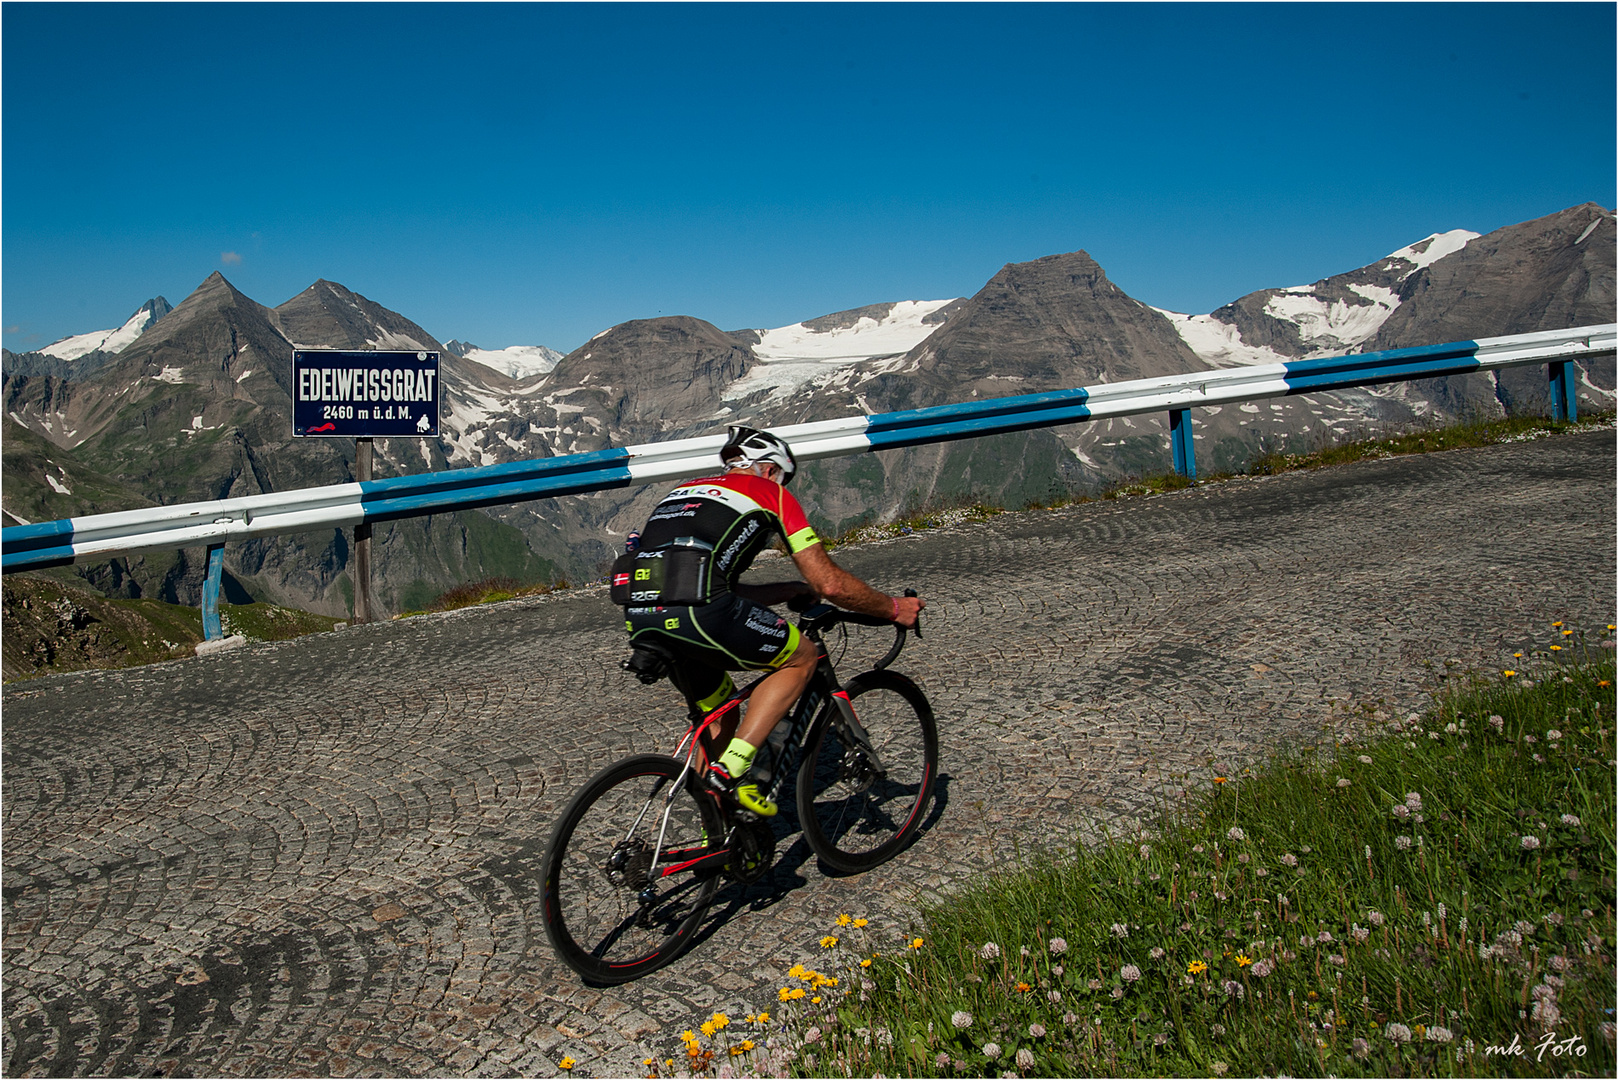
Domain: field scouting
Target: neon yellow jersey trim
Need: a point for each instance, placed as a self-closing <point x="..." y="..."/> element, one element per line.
<point x="788" y="650"/>
<point x="803" y="538"/>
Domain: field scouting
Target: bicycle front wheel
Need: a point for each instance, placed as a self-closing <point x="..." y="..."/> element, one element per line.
<point x="858" y="810"/>
<point x="620" y="899"/>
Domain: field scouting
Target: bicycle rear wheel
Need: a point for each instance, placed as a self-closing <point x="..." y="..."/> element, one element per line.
<point x="854" y="814"/>
<point x="606" y="916"/>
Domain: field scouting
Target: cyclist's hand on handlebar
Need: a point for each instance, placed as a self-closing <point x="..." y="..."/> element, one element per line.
<point x="907" y="610"/>
<point x="803" y="600"/>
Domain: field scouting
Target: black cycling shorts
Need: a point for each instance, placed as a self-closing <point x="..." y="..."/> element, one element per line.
<point x="729" y="633"/>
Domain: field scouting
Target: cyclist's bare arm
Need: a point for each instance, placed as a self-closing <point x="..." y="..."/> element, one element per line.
<point x="838" y="586"/>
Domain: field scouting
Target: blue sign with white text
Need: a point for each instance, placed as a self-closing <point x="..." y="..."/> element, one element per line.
<point x="364" y="394"/>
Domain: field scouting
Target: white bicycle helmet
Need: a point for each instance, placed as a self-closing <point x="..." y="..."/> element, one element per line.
<point x="753" y="446"/>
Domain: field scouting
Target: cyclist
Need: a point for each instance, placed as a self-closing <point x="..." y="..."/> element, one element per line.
<point x="693" y="549"/>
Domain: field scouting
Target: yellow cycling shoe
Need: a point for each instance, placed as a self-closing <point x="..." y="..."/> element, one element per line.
<point x="751" y="798"/>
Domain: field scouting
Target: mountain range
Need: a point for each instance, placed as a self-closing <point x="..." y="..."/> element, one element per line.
<point x="194" y="401"/>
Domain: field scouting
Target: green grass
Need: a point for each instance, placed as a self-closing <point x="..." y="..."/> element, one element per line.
<point x="1393" y="904"/>
<point x="488" y="591"/>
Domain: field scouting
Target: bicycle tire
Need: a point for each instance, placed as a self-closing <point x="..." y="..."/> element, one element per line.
<point x="593" y="916"/>
<point x="850" y="818"/>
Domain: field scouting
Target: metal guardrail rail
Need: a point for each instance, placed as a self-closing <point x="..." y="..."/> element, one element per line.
<point x="217" y="522"/>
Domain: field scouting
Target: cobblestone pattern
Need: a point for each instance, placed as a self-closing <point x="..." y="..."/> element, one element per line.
<point x="320" y="857"/>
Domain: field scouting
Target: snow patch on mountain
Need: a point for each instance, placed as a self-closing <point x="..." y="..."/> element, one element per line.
<point x="518" y="361"/>
<point x="1219" y="343"/>
<point x="111" y="341"/>
<point x="803" y="355"/>
<point x="1430" y="250"/>
<point x="1340" y="323"/>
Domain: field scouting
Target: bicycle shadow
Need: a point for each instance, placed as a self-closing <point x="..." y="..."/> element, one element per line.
<point x="786" y="875"/>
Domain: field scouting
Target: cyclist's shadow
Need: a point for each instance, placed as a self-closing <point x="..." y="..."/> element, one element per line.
<point x="786" y="875"/>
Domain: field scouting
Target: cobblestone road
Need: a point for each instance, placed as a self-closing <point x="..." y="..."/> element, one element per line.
<point x="319" y="857"/>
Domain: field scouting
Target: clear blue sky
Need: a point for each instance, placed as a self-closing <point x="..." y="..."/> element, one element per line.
<point x="532" y="174"/>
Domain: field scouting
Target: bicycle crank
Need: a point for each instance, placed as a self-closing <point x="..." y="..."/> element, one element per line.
<point x="752" y="851"/>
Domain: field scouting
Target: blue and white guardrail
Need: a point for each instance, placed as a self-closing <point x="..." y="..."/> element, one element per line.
<point x="214" y="523"/>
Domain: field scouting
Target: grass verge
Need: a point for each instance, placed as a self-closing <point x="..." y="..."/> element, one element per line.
<point x="488" y="591"/>
<point x="1432" y="896"/>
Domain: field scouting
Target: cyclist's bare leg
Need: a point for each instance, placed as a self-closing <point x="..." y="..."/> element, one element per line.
<point x="778" y="692"/>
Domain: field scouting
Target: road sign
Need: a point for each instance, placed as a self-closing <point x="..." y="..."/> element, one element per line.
<point x="364" y="394"/>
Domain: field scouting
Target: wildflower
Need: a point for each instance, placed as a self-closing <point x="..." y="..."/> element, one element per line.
<point x="1401" y="811"/>
<point x="1129" y="973"/>
<point x="1036" y="1031"/>
<point x="1342" y="781"/>
<point x="1094" y="984"/>
<point x="916" y="943"/>
<point x="1157" y="953"/>
<point x="1508" y="674"/>
<point x="720" y="1021"/>
<point x="1360" y="933"/>
<point x="763" y="1018"/>
<point x="1196" y="967"/>
<point x="990" y="951"/>
<point x="991" y="1050"/>
<point x="1059" y="945"/>
<point x="1025" y="1058"/>
<point x="1119" y="931"/>
<point x="1236" y="834"/>
<point x="1057" y="969"/>
<point x="1362" y="1049"/>
<point x="866" y="962"/>
<point x="828" y="941"/>
<point x="1556" y="648"/>
<point x="1413" y="800"/>
<point x="1325" y="937"/>
<point x="1398" y="1033"/>
<point x="798" y="971"/>
<point x="1529" y="739"/>
<point x="566" y="1063"/>
<point x="1221" y="779"/>
<point x="1375" y="918"/>
<point x="1262" y="968"/>
<point x="1553" y="735"/>
<point x="1160" y="1039"/>
<point x="708" y="1028"/>
<point x="1117" y="992"/>
<point x="1055" y="996"/>
<point x="812" y="1035"/>
<point x="961" y="1019"/>
<point x="1234" y="989"/>
<point x="1530" y="842"/>
<point x="1402" y="843"/>
<point x="1497" y="722"/>
<point x="858" y="923"/>
<point x="1023" y="988"/>
<point x="844" y="920"/>
<point x="1243" y="960"/>
<point x="1451" y="729"/>
<point x="1024" y="950"/>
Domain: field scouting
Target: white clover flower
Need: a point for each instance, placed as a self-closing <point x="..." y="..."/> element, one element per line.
<point x="1402" y="843"/>
<point x="1289" y="859"/>
<point x="1365" y="759"/>
<point x="1413" y="800"/>
<point x="1055" y="996"/>
<point x="1530" y="842"/>
<point x="1157" y="953"/>
<point x="1375" y="918"/>
<point x="991" y="1050"/>
<point x="1497" y="722"/>
<point x="1236" y="834"/>
<point x="1451" y="729"/>
<point x="1571" y="819"/>
<point x="1401" y="811"/>
<point x="1146" y="851"/>
<point x="1025" y="1058"/>
<point x="1440" y="1034"/>
<point x="1057" y="969"/>
<point x="990" y="951"/>
<point x="1119" y="931"/>
<point x="1398" y="1033"/>
<point x="1059" y="945"/>
<point x="1129" y="973"/>
<point x="1325" y="937"/>
<point x="961" y="1018"/>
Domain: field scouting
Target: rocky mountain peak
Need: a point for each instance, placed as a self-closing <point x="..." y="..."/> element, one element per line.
<point x="339" y="318"/>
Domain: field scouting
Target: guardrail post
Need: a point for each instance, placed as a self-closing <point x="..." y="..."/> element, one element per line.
<point x="362" y="540"/>
<point x="1185" y="454"/>
<point x="1564" y="391"/>
<point x="211" y="628"/>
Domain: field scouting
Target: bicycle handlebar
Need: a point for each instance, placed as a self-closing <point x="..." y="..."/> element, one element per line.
<point x="823" y="616"/>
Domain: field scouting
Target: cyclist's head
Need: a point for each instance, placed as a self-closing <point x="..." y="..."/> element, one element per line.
<point x="747" y="447"/>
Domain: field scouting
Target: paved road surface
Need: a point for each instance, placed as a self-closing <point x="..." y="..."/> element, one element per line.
<point x="319" y="857"/>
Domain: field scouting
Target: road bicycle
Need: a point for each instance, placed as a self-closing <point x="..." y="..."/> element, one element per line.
<point x="642" y="848"/>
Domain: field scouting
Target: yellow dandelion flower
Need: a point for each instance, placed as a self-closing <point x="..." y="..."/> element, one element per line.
<point x="858" y="923"/>
<point x="815" y="1000"/>
<point x="798" y="971"/>
<point x="1556" y="624"/>
<point x="1567" y="633"/>
<point x="747" y="1044"/>
<point x="844" y="920"/>
<point x="1508" y="674"/>
<point x="693" y="1050"/>
<point x="763" y="1018"/>
<point x="797" y="993"/>
<point x="720" y="1021"/>
<point x="785" y="994"/>
<point x="737" y="1051"/>
<point x="1243" y="960"/>
<point x="1313" y="996"/>
<point x="1518" y="655"/>
<point x="1604" y="683"/>
<point x="1556" y="648"/>
<point x="866" y="962"/>
<point x="1196" y="967"/>
<point x="566" y="1063"/>
<point x="1221" y="779"/>
<point x="688" y="1036"/>
<point x="708" y="1028"/>
<point x="828" y="941"/>
<point x="916" y="943"/>
<point x="649" y="1061"/>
